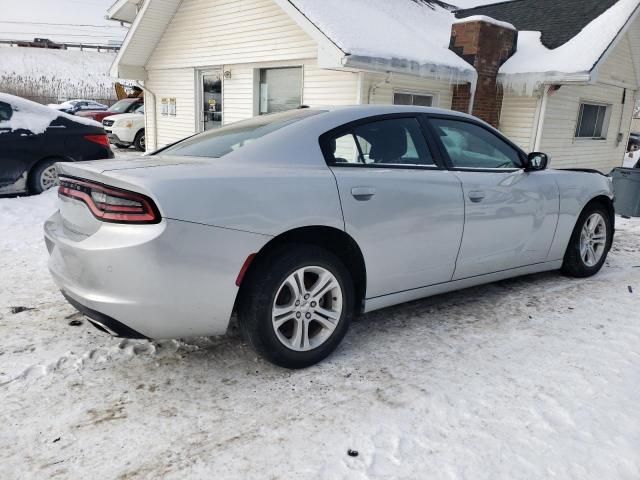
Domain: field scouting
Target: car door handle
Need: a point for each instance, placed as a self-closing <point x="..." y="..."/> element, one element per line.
<point x="363" y="194"/>
<point x="477" y="196"/>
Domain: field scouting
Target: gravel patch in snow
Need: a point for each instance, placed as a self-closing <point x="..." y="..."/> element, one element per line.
<point x="537" y="377"/>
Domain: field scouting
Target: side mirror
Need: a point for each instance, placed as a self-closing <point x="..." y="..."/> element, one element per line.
<point x="537" y="161"/>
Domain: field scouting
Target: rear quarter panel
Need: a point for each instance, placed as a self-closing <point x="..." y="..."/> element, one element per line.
<point x="577" y="189"/>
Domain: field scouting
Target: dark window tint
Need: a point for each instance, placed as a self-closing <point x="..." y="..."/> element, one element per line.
<point x="5" y="112"/>
<point x="591" y="121"/>
<point x="221" y="142"/>
<point x="472" y="146"/>
<point x="391" y="142"/>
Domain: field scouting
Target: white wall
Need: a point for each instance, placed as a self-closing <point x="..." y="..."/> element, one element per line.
<point x="376" y="91"/>
<point x="518" y="119"/>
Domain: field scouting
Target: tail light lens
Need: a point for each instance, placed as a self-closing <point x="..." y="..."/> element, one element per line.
<point x="111" y="204"/>
<point x="99" y="139"/>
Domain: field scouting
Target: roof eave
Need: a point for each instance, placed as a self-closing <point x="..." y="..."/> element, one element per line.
<point x="123" y="11"/>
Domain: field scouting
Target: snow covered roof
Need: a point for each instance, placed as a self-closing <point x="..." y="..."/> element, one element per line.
<point x="558" y="40"/>
<point x="402" y="35"/>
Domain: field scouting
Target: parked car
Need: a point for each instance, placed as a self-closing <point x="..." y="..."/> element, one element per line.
<point x="127" y="105"/>
<point x="34" y="137"/>
<point x="74" y="106"/>
<point x="301" y="219"/>
<point x="126" y="129"/>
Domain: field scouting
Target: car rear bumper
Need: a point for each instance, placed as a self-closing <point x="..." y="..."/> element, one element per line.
<point x="170" y="280"/>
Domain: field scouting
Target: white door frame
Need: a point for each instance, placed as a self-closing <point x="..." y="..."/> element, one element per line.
<point x="199" y="94"/>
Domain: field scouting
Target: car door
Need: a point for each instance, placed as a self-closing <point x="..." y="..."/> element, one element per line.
<point x="510" y="214"/>
<point x="16" y="148"/>
<point x="404" y="210"/>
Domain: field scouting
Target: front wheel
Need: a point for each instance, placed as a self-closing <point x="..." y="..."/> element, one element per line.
<point x="297" y="305"/>
<point x="590" y="243"/>
<point x="139" y="141"/>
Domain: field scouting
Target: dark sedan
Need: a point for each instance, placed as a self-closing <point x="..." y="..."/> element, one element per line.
<point x="34" y="137"/>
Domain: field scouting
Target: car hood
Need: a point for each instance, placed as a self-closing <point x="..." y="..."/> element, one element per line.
<point x="125" y="116"/>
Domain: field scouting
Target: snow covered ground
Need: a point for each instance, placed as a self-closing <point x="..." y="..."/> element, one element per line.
<point x="525" y="379"/>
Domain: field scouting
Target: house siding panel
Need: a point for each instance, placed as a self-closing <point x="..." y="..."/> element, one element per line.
<point x="519" y="118"/>
<point x="375" y="91"/>
<point x="561" y="119"/>
<point x="217" y="32"/>
<point x="618" y="68"/>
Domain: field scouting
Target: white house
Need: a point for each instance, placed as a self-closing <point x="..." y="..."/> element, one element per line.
<point x="559" y="77"/>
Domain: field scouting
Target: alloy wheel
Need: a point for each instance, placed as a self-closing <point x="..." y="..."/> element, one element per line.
<point x="49" y="178"/>
<point x="593" y="240"/>
<point x="307" y="308"/>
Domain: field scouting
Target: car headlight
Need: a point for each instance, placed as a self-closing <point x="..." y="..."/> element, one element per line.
<point x="124" y="124"/>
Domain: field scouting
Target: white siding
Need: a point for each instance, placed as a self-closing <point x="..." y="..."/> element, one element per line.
<point x="618" y="68"/>
<point x="518" y="119"/>
<point x="558" y="135"/>
<point x="217" y="32"/>
<point x="178" y="83"/>
<point x="375" y="91"/>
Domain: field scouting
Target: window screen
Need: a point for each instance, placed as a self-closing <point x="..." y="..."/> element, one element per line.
<point x="592" y="121"/>
<point x="413" y="99"/>
<point x="280" y="89"/>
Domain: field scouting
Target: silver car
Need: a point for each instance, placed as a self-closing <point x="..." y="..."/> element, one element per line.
<point x="300" y="220"/>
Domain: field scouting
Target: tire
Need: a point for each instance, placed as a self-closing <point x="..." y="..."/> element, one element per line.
<point x="270" y="284"/>
<point x="139" y="141"/>
<point x="578" y="261"/>
<point x="43" y="176"/>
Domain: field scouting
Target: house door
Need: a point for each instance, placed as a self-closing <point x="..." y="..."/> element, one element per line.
<point x="211" y="95"/>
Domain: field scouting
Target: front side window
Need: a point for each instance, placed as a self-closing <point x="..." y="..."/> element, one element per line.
<point x="396" y="141"/>
<point x="472" y="146"/>
<point x="121" y="107"/>
<point x="401" y="98"/>
<point x="223" y="141"/>
<point x="280" y="89"/>
<point x="593" y="121"/>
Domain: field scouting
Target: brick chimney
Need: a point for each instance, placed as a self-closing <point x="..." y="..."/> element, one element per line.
<point x="486" y="46"/>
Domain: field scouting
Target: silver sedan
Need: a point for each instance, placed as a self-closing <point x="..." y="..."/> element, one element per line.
<point x="300" y="220"/>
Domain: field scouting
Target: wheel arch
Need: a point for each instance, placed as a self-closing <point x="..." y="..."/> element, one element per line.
<point x="331" y="239"/>
<point x="607" y="203"/>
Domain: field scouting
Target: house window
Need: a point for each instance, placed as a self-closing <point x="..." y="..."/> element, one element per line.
<point x="593" y="121"/>
<point x="401" y="98"/>
<point x="280" y="89"/>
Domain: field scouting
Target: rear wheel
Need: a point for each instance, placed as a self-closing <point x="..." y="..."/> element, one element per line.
<point x="590" y="242"/>
<point x="297" y="305"/>
<point x="139" y="142"/>
<point x="43" y="176"/>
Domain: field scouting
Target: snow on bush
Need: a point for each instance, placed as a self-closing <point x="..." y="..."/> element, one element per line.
<point x="54" y="75"/>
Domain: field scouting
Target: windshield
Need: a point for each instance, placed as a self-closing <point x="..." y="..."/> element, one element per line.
<point x="221" y="142"/>
<point x="120" y="107"/>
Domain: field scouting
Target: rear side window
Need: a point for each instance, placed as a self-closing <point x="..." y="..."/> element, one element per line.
<point x="6" y="112"/>
<point x="223" y="141"/>
<point x="397" y="141"/>
<point x="471" y="146"/>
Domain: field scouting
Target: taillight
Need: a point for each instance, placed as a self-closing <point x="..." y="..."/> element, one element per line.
<point x="99" y="139"/>
<point x="110" y="204"/>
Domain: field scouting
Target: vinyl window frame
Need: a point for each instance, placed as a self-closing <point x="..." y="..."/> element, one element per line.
<point x="604" y="131"/>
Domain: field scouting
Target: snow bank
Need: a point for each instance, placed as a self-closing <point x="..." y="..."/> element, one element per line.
<point x="60" y="74"/>
<point x="31" y="116"/>
<point x="534" y="63"/>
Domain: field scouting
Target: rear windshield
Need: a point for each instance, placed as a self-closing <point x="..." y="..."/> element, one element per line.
<point x="221" y="142"/>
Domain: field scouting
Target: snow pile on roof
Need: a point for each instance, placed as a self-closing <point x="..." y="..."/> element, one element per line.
<point x="35" y="118"/>
<point x="401" y="35"/>
<point x="484" y="18"/>
<point x="56" y="73"/>
<point x="534" y="63"/>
